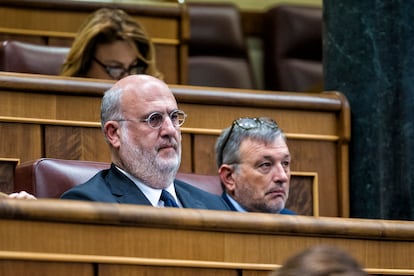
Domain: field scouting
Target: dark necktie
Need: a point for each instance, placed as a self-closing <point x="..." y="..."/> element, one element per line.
<point x="168" y="199"/>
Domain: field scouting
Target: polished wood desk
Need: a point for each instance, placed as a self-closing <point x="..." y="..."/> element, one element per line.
<point x="53" y="22"/>
<point x="56" y="117"/>
<point x="57" y="237"/>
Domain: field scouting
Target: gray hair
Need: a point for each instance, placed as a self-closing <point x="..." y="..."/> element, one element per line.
<point x="111" y="105"/>
<point x="230" y="154"/>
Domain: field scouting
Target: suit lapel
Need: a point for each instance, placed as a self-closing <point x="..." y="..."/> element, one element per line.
<point x="186" y="199"/>
<point x="124" y="189"/>
<point x="226" y="199"/>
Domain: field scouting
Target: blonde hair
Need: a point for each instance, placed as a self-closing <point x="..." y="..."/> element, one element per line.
<point x="104" y="26"/>
<point x="322" y="260"/>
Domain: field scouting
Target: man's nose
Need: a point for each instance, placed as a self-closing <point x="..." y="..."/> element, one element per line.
<point x="168" y="124"/>
<point x="281" y="173"/>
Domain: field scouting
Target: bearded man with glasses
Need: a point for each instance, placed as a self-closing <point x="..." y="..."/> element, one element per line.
<point x="141" y="124"/>
<point x="253" y="162"/>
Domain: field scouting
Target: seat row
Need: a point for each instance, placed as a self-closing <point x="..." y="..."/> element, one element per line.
<point x="218" y="55"/>
<point x="51" y="177"/>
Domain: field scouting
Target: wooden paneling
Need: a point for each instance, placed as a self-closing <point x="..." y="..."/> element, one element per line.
<point x="56" y="23"/>
<point x="42" y="268"/>
<point x="109" y="270"/>
<point x="58" y="117"/>
<point x="20" y="140"/>
<point x="113" y="238"/>
<point x="80" y="143"/>
<point x="303" y="194"/>
<point x="7" y="168"/>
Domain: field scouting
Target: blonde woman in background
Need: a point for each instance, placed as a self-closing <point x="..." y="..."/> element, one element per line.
<point x="110" y="45"/>
<point x="321" y="260"/>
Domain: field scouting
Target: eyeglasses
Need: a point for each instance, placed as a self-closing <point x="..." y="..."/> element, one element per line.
<point x="247" y="124"/>
<point x="118" y="71"/>
<point x="156" y="119"/>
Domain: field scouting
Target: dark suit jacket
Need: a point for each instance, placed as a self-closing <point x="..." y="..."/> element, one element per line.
<point x="226" y="199"/>
<point x="113" y="186"/>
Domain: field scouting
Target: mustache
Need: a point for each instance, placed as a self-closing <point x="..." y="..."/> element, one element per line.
<point x="170" y="143"/>
<point x="278" y="190"/>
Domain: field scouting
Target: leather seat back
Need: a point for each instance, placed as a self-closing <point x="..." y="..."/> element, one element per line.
<point x="218" y="54"/>
<point x="293" y="48"/>
<point x="50" y="178"/>
<point x="24" y="57"/>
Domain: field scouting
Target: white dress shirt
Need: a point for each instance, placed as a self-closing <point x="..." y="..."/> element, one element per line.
<point x="153" y="195"/>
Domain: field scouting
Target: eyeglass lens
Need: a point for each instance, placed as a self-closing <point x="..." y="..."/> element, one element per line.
<point x="247" y="123"/>
<point x="156" y="119"/>
<point x="117" y="71"/>
<point x="250" y="123"/>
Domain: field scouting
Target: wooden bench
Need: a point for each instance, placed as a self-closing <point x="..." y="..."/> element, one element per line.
<point x="56" y="23"/>
<point x="62" y="237"/>
<point x="50" y="178"/>
<point x="56" y="117"/>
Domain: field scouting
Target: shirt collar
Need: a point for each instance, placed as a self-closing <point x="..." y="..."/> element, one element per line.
<point x="236" y="205"/>
<point x="153" y="195"/>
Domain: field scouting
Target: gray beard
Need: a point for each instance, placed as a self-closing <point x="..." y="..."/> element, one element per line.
<point x="157" y="174"/>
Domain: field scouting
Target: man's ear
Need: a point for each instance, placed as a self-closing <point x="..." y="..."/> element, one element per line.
<point x="226" y="176"/>
<point x="112" y="133"/>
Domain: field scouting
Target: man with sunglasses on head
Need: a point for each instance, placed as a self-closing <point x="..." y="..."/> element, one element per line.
<point x="254" y="166"/>
<point x="141" y="124"/>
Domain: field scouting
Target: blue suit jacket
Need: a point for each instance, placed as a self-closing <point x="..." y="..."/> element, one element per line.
<point x="113" y="186"/>
<point x="284" y="211"/>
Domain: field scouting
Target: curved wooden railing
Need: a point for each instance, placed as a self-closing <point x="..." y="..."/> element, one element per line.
<point x="116" y="237"/>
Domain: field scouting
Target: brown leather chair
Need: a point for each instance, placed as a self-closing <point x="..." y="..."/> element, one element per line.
<point x="218" y="54"/>
<point x="24" y="57"/>
<point x="50" y="178"/>
<point x="293" y="48"/>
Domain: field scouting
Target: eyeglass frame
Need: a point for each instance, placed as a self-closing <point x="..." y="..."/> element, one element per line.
<point x="258" y="122"/>
<point x="148" y="118"/>
<point x="141" y="66"/>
